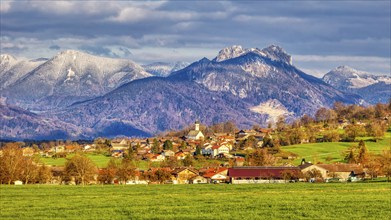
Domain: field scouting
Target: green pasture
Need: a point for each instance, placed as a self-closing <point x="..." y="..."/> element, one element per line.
<point x="263" y="201"/>
<point x="99" y="159"/>
<point x="329" y="152"/>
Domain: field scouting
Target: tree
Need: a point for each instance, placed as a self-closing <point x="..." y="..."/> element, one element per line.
<point x="162" y="175"/>
<point x="280" y="124"/>
<point x="385" y="161"/>
<point x="306" y="120"/>
<point x="362" y="153"/>
<point x="81" y="168"/>
<point x="11" y="163"/>
<point x="376" y="130"/>
<point x="331" y="136"/>
<point x="188" y="161"/>
<point x="126" y="171"/>
<point x="350" y="155"/>
<point x="183" y="145"/>
<point x="261" y="157"/>
<point x="108" y="174"/>
<point x="325" y="115"/>
<point x="353" y="130"/>
<point x="155" y="146"/>
<point x="313" y="174"/>
<point x="44" y="174"/>
<point x="29" y="171"/>
<point x="167" y="145"/>
<point x="267" y="141"/>
<point x="171" y="162"/>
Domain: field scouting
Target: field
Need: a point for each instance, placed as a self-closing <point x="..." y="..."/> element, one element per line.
<point x="264" y="201"/>
<point x="321" y="152"/>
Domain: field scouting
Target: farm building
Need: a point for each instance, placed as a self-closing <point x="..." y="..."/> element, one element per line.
<point x="242" y="175"/>
<point x="339" y="170"/>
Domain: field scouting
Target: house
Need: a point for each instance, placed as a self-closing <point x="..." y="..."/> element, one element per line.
<point x="195" y="134"/>
<point x="339" y="170"/>
<point x="157" y="158"/>
<point x="207" y="149"/>
<point x="243" y="175"/>
<point x="122" y="145"/>
<point x="184" y="175"/>
<point x="219" y="149"/>
<point x="58" y="149"/>
<point x="180" y="155"/>
<point x="216" y="175"/>
<point x="168" y="153"/>
<point x="198" y="180"/>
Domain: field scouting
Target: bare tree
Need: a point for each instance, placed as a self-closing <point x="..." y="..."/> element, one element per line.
<point x="11" y="163"/>
<point x="81" y="168"/>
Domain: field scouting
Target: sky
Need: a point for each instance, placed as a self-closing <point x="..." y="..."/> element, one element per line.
<point x="320" y="35"/>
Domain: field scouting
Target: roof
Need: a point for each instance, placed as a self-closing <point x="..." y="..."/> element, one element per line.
<point x="213" y="171"/>
<point x="193" y="133"/>
<point x="305" y="165"/>
<point x="342" y="167"/>
<point x="265" y="172"/>
<point x="180" y="169"/>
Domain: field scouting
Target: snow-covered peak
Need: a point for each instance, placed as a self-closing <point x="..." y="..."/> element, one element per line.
<point x="348" y="71"/>
<point x="229" y="53"/>
<point x="345" y="77"/>
<point x="277" y="53"/>
<point x="7" y="58"/>
<point x="272" y="52"/>
<point x="164" y="69"/>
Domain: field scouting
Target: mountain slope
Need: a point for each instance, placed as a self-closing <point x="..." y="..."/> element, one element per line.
<point x="173" y="105"/>
<point x="69" y="77"/>
<point x="257" y="76"/>
<point x="12" y="69"/>
<point x="373" y="88"/>
<point x="18" y="124"/>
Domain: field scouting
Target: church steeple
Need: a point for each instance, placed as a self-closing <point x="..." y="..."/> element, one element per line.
<point x="197" y="125"/>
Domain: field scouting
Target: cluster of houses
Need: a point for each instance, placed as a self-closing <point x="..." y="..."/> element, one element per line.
<point x="217" y="145"/>
<point x="241" y="175"/>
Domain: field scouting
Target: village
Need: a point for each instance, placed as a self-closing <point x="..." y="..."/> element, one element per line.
<point x="221" y="158"/>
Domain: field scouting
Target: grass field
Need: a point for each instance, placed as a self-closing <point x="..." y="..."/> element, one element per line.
<point x="319" y="152"/>
<point x="99" y="159"/>
<point x="263" y="201"/>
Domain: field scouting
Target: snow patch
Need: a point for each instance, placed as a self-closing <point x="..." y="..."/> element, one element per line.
<point x="273" y="108"/>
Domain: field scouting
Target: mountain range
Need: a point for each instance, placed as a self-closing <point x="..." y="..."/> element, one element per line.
<point x="77" y="95"/>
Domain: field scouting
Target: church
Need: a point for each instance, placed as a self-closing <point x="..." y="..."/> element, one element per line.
<point x="195" y="134"/>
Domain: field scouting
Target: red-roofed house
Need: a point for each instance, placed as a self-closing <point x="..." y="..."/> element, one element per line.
<point x="216" y="175"/>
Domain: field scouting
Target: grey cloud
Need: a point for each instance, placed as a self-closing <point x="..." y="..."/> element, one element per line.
<point x="55" y="47"/>
<point x="347" y="28"/>
<point x="100" y="51"/>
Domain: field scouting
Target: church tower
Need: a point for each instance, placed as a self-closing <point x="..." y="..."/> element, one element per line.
<point x="197" y="125"/>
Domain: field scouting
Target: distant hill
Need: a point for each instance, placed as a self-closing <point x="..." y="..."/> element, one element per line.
<point x="373" y="88"/>
<point x="164" y="69"/>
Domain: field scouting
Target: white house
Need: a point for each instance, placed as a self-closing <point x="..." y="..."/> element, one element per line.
<point x="222" y="149"/>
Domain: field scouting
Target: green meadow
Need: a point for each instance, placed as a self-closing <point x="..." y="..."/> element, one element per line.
<point x="329" y="152"/>
<point x="263" y="201"/>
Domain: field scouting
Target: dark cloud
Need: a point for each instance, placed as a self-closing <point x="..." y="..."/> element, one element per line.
<point x="346" y="28"/>
<point x="99" y="51"/>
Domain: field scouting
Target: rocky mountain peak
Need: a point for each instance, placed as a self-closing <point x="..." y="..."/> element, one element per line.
<point x="229" y="53"/>
<point x="277" y="53"/>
